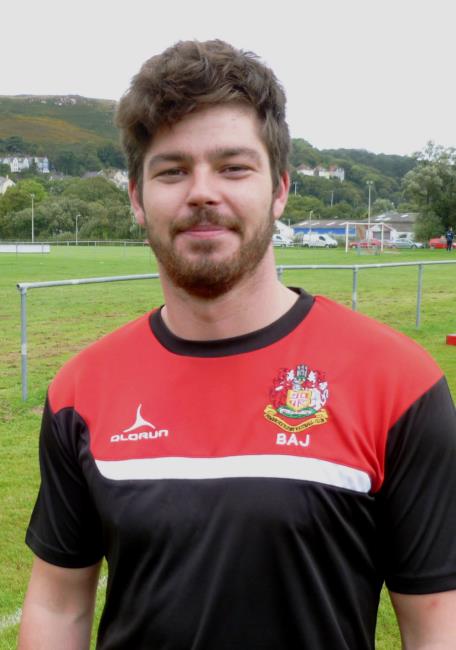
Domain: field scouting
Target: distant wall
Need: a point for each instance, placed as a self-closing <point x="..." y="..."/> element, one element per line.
<point x="333" y="231"/>
<point x="25" y="248"/>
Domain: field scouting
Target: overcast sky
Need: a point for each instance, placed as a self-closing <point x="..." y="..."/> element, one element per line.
<point x="367" y="74"/>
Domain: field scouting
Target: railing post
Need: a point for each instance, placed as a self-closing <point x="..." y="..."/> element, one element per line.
<point x="280" y="273"/>
<point x="23" y="291"/>
<point x="419" y="295"/>
<point x="355" y="288"/>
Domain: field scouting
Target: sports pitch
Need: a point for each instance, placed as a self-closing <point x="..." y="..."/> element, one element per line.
<point x="62" y="320"/>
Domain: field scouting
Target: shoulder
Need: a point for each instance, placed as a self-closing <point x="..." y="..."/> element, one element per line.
<point x="99" y="362"/>
<point x="361" y="333"/>
<point x="374" y="353"/>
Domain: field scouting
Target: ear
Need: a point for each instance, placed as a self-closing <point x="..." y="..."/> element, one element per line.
<point x="136" y="201"/>
<point x="281" y="195"/>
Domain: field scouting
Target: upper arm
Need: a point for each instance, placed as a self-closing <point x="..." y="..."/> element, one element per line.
<point x="417" y="501"/>
<point x="59" y="588"/>
<point x="426" y="621"/>
<point x="58" y="607"/>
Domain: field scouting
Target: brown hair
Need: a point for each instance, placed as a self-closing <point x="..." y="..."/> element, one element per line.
<point x="191" y="75"/>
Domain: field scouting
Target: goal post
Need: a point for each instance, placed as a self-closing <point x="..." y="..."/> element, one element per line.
<point x="364" y="231"/>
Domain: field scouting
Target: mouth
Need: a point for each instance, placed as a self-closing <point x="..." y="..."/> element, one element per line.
<point x="206" y="224"/>
<point x="205" y="230"/>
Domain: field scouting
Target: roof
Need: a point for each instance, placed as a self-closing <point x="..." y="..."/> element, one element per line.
<point x="396" y="218"/>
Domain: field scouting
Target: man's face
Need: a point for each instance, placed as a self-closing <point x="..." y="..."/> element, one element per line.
<point x="207" y="201"/>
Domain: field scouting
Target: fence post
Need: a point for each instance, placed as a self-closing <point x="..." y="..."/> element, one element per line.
<point x="23" y="291"/>
<point x="355" y="288"/>
<point x="419" y="295"/>
<point x="280" y="273"/>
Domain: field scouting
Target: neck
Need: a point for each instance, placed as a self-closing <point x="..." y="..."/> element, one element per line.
<point x="253" y="303"/>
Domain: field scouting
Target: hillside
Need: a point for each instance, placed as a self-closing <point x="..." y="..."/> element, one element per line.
<point x="78" y="134"/>
<point x="41" y="118"/>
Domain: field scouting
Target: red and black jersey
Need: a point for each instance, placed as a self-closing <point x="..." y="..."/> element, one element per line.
<point x="252" y="492"/>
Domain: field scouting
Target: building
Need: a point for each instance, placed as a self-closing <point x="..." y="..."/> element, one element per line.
<point x="322" y="172"/>
<point x="333" y="227"/>
<point x="5" y="184"/>
<point x="18" y="164"/>
<point x="391" y="223"/>
<point x="397" y="223"/>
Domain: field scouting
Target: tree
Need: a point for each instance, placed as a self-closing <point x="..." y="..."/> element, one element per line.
<point x="299" y="207"/>
<point x="428" y="225"/>
<point x="67" y="162"/>
<point x="431" y="187"/>
<point x="111" y="156"/>
<point x="19" y="197"/>
<point x="17" y="145"/>
<point x="381" y="206"/>
<point x="94" y="189"/>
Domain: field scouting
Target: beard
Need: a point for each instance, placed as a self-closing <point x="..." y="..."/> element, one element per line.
<point x="202" y="276"/>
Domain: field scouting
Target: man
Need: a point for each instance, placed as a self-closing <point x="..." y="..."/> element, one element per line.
<point x="449" y="238"/>
<point x="253" y="462"/>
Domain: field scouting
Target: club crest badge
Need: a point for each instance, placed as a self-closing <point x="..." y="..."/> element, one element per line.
<point x="298" y="397"/>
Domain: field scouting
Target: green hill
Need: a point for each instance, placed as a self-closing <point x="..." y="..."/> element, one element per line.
<point x="42" y="119"/>
<point x="78" y="134"/>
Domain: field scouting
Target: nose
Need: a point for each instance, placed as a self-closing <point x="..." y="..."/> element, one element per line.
<point x="203" y="189"/>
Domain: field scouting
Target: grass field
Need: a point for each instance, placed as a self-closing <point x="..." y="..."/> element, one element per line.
<point x="63" y="320"/>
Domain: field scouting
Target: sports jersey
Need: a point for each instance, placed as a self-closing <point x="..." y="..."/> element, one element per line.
<point x="253" y="492"/>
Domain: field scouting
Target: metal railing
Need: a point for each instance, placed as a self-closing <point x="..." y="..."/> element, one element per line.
<point x="24" y="287"/>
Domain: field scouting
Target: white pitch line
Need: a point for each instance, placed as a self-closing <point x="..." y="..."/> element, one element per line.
<point x="10" y="620"/>
<point x="14" y="619"/>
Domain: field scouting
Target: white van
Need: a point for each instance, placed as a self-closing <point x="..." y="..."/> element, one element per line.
<point x="318" y="240"/>
<point x="281" y="240"/>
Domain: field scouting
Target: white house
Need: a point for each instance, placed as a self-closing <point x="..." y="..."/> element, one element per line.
<point x="120" y="179"/>
<point x="322" y="172"/>
<point x="5" y="184"/>
<point x="18" y="164"/>
<point x="337" y="172"/>
<point x="305" y="170"/>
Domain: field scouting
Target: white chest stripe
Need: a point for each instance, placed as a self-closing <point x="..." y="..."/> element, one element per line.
<point x="264" y="466"/>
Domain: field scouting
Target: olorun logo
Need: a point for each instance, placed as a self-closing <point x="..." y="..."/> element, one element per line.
<point x="141" y="429"/>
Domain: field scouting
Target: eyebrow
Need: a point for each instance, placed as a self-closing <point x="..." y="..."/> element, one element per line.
<point x="218" y="153"/>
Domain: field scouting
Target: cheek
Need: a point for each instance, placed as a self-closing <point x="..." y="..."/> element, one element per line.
<point x="162" y="205"/>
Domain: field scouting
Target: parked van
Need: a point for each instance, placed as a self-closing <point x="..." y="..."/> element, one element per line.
<point x="281" y="240"/>
<point x="318" y="240"/>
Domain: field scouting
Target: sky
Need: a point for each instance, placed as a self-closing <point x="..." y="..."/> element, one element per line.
<point x="365" y="74"/>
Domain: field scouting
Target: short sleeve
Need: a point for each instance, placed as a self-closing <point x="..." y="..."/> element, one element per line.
<point x="418" y="498"/>
<point x="64" y="529"/>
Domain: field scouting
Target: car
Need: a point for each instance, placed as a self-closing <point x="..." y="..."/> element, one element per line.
<point x="406" y="243"/>
<point x="281" y="240"/>
<point x="439" y="242"/>
<point x="366" y="243"/>
<point x="318" y="240"/>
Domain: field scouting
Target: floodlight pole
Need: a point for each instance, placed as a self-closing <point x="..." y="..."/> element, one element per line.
<point x="369" y="185"/>
<point x="23" y="291"/>
<point x="33" y="218"/>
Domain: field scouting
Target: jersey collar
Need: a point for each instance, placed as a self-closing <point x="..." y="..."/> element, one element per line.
<point x="237" y="344"/>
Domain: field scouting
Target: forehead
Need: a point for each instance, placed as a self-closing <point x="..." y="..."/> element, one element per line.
<point x="219" y="127"/>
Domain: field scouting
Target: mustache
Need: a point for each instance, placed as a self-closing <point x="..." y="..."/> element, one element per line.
<point x="206" y="216"/>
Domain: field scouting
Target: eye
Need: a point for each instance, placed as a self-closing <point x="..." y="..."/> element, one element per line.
<point x="171" y="174"/>
<point x="235" y="170"/>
